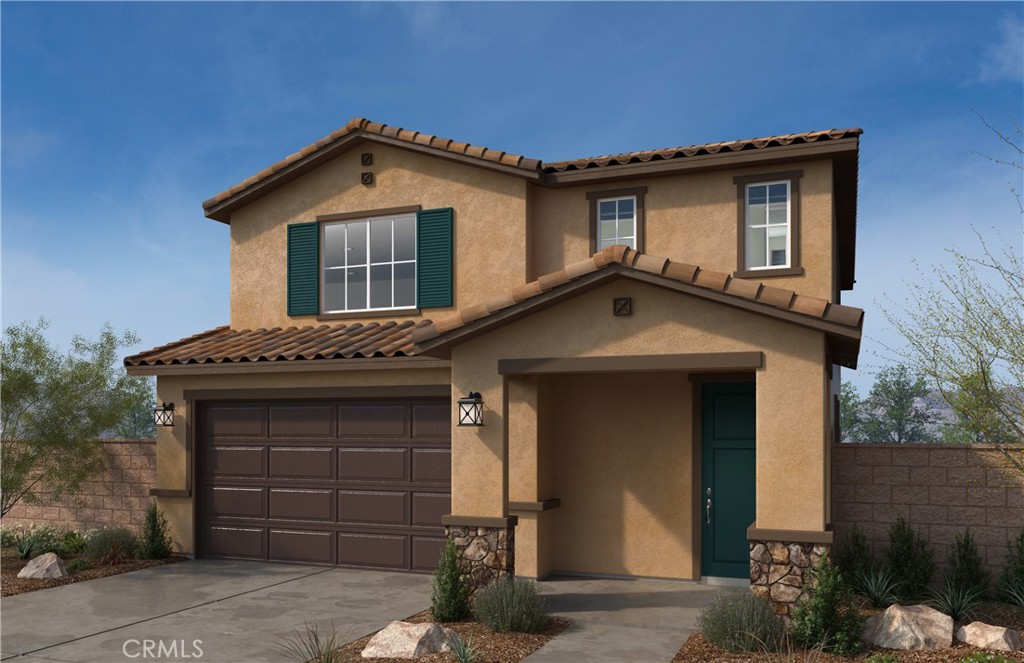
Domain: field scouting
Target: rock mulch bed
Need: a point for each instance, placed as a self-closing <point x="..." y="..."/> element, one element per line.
<point x="698" y="650"/>
<point x="11" y="584"/>
<point x="493" y="647"/>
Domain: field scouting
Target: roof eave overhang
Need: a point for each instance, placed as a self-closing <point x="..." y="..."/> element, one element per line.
<point x="221" y="211"/>
<point x="287" y="366"/>
<point x="844" y="342"/>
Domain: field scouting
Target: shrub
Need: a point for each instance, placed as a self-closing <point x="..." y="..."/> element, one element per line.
<point x="985" y="657"/>
<point x="1011" y="581"/>
<point x="310" y="645"/>
<point x="741" y="621"/>
<point x="510" y="605"/>
<point x="10" y="536"/>
<point x="112" y="546"/>
<point x="828" y="616"/>
<point x="449" y="600"/>
<point x="879" y="585"/>
<point x="965" y="568"/>
<point x="78" y="564"/>
<point x="155" y="542"/>
<point x="882" y="658"/>
<point x="72" y="542"/>
<point x="853" y="557"/>
<point x="909" y="559"/>
<point x="957" y="601"/>
<point x="463" y="649"/>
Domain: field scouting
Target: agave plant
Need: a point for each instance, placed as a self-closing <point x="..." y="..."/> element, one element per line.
<point x="957" y="601"/>
<point x="879" y="585"/>
<point x="1014" y="593"/>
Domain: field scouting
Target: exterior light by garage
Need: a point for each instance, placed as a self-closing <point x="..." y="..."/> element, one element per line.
<point x="471" y="410"/>
<point x="163" y="414"/>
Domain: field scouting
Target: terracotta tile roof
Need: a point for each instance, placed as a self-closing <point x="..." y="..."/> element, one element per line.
<point x="698" y="150"/>
<point x="795" y="307"/>
<point x="368" y="127"/>
<point x="226" y="345"/>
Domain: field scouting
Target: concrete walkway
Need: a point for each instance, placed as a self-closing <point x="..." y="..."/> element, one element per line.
<point x="239" y="610"/>
<point x="621" y="621"/>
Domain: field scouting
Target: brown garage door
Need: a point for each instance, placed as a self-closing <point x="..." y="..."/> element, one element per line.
<point x="354" y="483"/>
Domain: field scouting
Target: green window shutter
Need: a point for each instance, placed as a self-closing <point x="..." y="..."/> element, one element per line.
<point x="434" y="258"/>
<point x="303" y="268"/>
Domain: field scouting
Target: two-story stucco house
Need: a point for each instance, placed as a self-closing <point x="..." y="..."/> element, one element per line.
<point x="654" y="338"/>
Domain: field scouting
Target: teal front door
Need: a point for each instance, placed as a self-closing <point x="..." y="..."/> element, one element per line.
<point x="728" y="424"/>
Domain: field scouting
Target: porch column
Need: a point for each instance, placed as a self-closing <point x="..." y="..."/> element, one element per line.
<point x="523" y="470"/>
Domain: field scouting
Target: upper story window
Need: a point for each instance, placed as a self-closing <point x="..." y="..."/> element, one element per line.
<point x="768" y="228"/>
<point x="369" y="264"/>
<point x="768" y="225"/>
<point x="617" y="217"/>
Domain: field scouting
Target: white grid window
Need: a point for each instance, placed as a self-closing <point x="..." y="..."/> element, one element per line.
<point x="369" y="264"/>
<point x="616" y="222"/>
<point x="768" y="225"/>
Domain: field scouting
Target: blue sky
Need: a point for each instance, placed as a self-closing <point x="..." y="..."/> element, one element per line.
<point x="118" y="119"/>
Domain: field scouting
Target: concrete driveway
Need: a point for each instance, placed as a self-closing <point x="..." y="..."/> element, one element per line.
<point x="621" y="620"/>
<point x="239" y="610"/>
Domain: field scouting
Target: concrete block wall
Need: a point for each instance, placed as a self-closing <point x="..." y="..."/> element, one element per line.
<point x="940" y="490"/>
<point x="118" y="496"/>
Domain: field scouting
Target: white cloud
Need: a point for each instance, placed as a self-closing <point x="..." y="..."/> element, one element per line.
<point x="1004" y="58"/>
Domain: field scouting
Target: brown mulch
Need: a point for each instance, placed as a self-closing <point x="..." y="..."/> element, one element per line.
<point x="493" y="647"/>
<point x="698" y="650"/>
<point x="11" y="584"/>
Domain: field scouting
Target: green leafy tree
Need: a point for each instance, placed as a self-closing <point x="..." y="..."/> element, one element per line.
<point x="138" y="423"/>
<point x="851" y="421"/>
<point x="55" y="407"/>
<point x="893" y="413"/>
<point x="963" y="327"/>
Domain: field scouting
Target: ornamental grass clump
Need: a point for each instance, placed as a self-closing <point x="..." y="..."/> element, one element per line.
<point x="511" y="605"/>
<point x="107" y="547"/>
<point x="828" y="617"/>
<point x="449" y="600"/>
<point x="741" y="621"/>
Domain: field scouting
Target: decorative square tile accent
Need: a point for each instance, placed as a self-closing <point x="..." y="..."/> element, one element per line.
<point x="366" y="178"/>
<point x="366" y="159"/>
<point x="622" y="306"/>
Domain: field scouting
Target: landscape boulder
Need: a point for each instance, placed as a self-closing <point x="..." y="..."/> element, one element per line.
<point x="47" y="565"/>
<point x="909" y="627"/>
<point x="984" y="636"/>
<point x="405" y="640"/>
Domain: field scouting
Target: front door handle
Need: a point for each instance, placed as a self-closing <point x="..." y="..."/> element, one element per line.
<point x="707" y="511"/>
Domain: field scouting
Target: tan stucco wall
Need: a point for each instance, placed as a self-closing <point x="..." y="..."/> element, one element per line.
<point x="691" y="218"/>
<point x="791" y="388"/>
<point x="490" y="226"/>
<point x="170" y="443"/>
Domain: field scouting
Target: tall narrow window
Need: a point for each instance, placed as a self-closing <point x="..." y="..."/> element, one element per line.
<point x="369" y="264"/>
<point x="768" y="225"/>
<point x="616" y="222"/>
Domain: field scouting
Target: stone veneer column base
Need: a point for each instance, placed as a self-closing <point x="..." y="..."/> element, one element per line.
<point x="488" y="552"/>
<point x="781" y="571"/>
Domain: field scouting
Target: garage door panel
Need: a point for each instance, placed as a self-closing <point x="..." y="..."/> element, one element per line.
<point x="301" y="504"/>
<point x="427" y="508"/>
<point x="245" y="542"/>
<point x="301" y="421"/>
<point x="236" y="502"/>
<point x="355" y="482"/>
<point x="236" y="461"/>
<point x="373" y="420"/>
<point x="431" y="420"/>
<point x="426" y="551"/>
<point x="379" y="550"/>
<point x="369" y="464"/>
<point x="373" y="506"/>
<point x="310" y="546"/>
<point x="301" y="462"/>
<point x="226" y="421"/>
<point x="434" y="465"/>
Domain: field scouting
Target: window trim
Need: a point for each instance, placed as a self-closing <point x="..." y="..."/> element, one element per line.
<point x="594" y="197"/>
<point x="792" y="177"/>
<point x="358" y="217"/>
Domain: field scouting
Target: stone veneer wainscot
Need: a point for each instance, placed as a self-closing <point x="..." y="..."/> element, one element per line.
<point x="781" y="571"/>
<point x="487" y="552"/>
